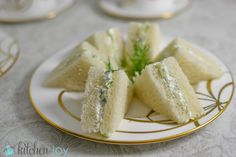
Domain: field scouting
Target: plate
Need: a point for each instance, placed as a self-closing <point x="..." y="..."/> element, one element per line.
<point x="163" y="9"/>
<point x="62" y="108"/>
<point x="9" y="53"/>
<point x="35" y="10"/>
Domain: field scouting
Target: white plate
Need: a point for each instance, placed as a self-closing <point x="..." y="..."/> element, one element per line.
<point x="9" y="52"/>
<point x="37" y="9"/>
<point x="62" y="108"/>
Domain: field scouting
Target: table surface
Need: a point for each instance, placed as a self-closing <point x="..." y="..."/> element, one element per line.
<point x="209" y="23"/>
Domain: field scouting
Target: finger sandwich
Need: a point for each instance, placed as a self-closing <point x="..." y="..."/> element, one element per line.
<point x="196" y="65"/>
<point x="72" y="72"/>
<point x="107" y="95"/>
<point x="164" y="87"/>
<point x="110" y="43"/>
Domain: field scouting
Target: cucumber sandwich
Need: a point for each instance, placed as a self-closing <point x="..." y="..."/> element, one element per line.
<point x="110" y="43"/>
<point x="196" y="65"/>
<point x="107" y="95"/>
<point x="164" y="87"/>
<point x="72" y="72"/>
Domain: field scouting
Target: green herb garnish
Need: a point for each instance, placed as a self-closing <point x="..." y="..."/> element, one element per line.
<point x="108" y="65"/>
<point x="140" y="58"/>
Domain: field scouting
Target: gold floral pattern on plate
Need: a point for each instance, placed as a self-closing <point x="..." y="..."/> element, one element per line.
<point x="153" y="117"/>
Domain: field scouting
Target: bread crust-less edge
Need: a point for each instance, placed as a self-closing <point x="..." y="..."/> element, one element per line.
<point x="196" y="65"/>
<point x="110" y="43"/>
<point x="153" y="93"/>
<point x="117" y="104"/>
<point x="193" y="103"/>
<point x="73" y="71"/>
<point x="119" y="95"/>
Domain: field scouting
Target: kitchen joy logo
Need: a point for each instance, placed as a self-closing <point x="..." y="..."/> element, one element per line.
<point x="9" y="150"/>
<point x="27" y="148"/>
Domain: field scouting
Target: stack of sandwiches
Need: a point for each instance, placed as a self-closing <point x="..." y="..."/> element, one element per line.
<point x="109" y="69"/>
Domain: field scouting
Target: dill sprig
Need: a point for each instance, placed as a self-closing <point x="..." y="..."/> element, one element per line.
<point x="140" y="57"/>
<point x="109" y="66"/>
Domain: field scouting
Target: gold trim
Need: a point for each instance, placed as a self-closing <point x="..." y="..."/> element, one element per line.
<point x="130" y="142"/>
<point x="153" y="131"/>
<point x="196" y="123"/>
<point x="165" y="16"/>
<point x="209" y="89"/>
<point x="165" y="121"/>
<point x="221" y="90"/>
<point x="203" y="94"/>
<point x="14" y="60"/>
<point x="48" y="16"/>
<point x="61" y="104"/>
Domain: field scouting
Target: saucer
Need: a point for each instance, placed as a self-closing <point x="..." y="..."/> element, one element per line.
<point x="140" y="11"/>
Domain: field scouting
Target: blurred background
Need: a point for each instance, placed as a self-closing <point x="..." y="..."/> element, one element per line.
<point x="43" y="28"/>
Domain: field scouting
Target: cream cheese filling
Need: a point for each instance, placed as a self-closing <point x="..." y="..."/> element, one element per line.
<point x="171" y="85"/>
<point x="103" y="96"/>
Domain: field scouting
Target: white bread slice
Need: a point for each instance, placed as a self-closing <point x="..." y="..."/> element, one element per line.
<point x="164" y="87"/>
<point x="72" y="72"/>
<point x="142" y="46"/>
<point x="110" y="43"/>
<point x="105" y="117"/>
<point x="91" y="109"/>
<point x="196" y="65"/>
